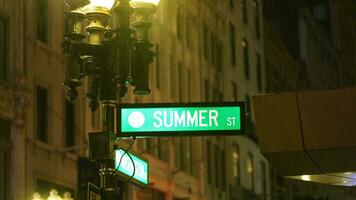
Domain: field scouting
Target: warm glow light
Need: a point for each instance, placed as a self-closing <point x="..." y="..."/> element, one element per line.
<point x="108" y="4"/>
<point x="153" y="2"/>
<point x="306" y="178"/>
<point x="36" y="196"/>
<point x="53" y="195"/>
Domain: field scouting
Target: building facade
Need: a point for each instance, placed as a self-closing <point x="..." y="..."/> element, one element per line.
<point x="206" y="51"/>
<point x="305" y="49"/>
<point x="13" y="100"/>
<point x="52" y="123"/>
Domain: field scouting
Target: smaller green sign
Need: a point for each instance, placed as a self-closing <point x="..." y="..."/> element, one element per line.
<point x="137" y="168"/>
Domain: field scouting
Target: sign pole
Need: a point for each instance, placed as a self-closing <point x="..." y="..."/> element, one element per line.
<point x="101" y="150"/>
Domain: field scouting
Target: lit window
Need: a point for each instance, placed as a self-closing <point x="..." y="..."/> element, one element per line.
<point x="250" y="170"/>
<point x="236" y="164"/>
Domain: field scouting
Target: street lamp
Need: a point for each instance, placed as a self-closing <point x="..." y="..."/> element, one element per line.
<point x="103" y="45"/>
<point x="110" y="58"/>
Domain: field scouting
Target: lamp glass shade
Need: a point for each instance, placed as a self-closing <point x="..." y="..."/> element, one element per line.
<point x="108" y="4"/>
<point x="153" y="2"/>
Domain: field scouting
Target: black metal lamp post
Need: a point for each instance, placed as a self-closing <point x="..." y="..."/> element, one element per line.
<point x="111" y="59"/>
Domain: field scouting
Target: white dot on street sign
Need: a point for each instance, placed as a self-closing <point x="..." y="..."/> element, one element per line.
<point x="136" y="119"/>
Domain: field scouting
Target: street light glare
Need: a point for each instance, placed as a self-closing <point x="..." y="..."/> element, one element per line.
<point x="108" y="4"/>
<point x="154" y="2"/>
<point x="306" y="178"/>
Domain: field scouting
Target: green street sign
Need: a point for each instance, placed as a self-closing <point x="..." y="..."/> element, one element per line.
<point x="130" y="165"/>
<point x="193" y="119"/>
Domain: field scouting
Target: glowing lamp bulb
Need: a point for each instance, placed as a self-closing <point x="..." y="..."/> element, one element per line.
<point x="306" y="178"/>
<point x="108" y="4"/>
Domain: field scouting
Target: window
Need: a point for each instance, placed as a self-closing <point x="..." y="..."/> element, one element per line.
<point x="236" y="164"/>
<point x="217" y="166"/>
<point x="321" y="11"/>
<point x="4" y="174"/>
<point x="179" y="23"/>
<point x="173" y="74"/>
<point x="70" y="124"/>
<point x="259" y="71"/>
<point x="207" y="90"/>
<point x="95" y="119"/>
<point x="206" y="41"/>
<point x="3" y="48"/>
<point x="223" y="169"/>
<point x="250" y="170"/>
<point x="5" y="129"/>
<point x="158" y="195"/>
<point x="66" y="25"/>
<point x="189" y="74"/>
<point x="264" y="179"/>
<point x="219" y="55"/>
<point x="177" y="153"/>
<point x="234" y="91"/>
<point x="150" y="193"/>
<point x="186" y="157"/>
<point x="246" y="59"/>
<point x="142" y="144"/>
<point x="213" y="49"/>
<point x="158" y="77"/>
<point x="188" y="30"/>
<point x="257" y="19"/>
<point x="42" y="20"/>
<point x="42" y="114"/>
<point x="248" y="104"/>
<point x="163" y="149"/>
<point x="232" y="44"/>
<point x="208" y="158"/>
<point x="152" y="146"/>
<point x="244" y="11"/>
<point x="232" y="2"/>
<point x="181" y="83"/>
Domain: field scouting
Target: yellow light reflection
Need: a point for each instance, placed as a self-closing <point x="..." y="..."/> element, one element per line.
<point x="53" y="195"/>
<point x="154" y="2"/>
<point x="108" y="4"/>
<point x="36" y="196"/>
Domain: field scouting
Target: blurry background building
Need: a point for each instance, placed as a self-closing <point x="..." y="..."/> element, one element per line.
<point x="309" y="45"/>
<point x="206" y="51"/>
<point x="13" y="100"/>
